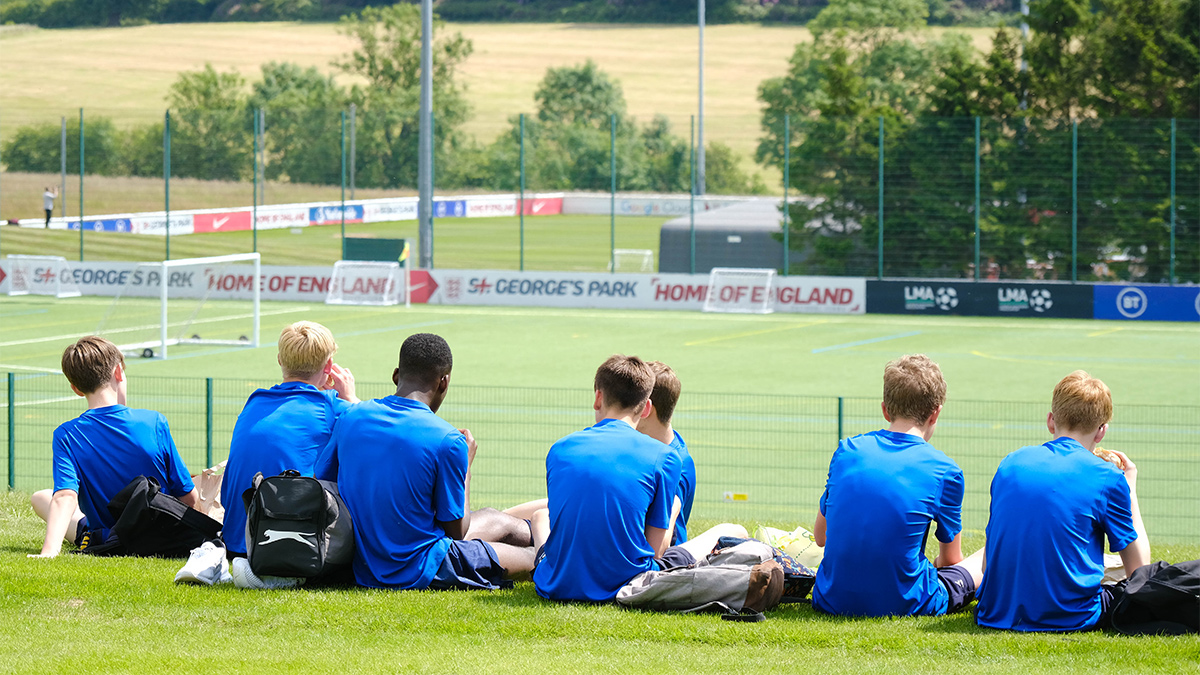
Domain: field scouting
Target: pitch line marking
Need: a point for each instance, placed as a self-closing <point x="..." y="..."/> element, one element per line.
<point x="1106" y="332"/>
<point x="219" y="319"/>
<point x="13" y="366"/>
<point x="750" y="333"/>
<point x="859" y="343"/>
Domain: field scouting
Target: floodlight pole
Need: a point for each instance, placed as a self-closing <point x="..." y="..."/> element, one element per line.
<point x="342" y="208"/>
<point x="167" y="180"/>
<point x="425" y="140"/>
<point x="81" y="185"/>
<point x="691" y="199"/>
<point x="521" y="201"/>
<point x="612" y="197"/>
<point x="787" y="159"/>
<point x="700" y="173"/>
<point x="254" y="184"/>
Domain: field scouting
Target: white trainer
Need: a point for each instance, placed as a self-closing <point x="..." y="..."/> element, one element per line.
<point x="244" y="577"/>
<point x="206" y="566"/>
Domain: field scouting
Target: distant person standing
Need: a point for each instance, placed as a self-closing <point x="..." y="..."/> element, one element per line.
<point x="48" y="202"/>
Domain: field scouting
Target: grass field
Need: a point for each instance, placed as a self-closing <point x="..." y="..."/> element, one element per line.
<point x="51" y="73"/>
<point x="551" y="242"/>
<point x="521" y="376"/>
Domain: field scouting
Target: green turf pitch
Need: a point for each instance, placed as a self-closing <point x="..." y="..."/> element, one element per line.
<point x="759" y="409"/>
<point x="581" y="243"/>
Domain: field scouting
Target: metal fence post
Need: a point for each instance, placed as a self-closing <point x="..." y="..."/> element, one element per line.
<point x="81" y="185"/>
<point x="787" y="157"/>
<point x="1171" y="268"/>
<point x="977" y="198"/>
<point x="521" y="203"/>
<point x="167" y="178"/>
<point x="1074" y="198"/>
<point x="254" y="184"/>
<point x="208" y="422"/>
<point x="879" y="273"/>
<point x="343" y="208"/>
<point x="353" y="144"/>
<point x="841" y="418"/>
<point x="691" y="201"/>
<point x="12" y="431"/>
<point x="63" y="158"/>
<point x="612" y="195"/>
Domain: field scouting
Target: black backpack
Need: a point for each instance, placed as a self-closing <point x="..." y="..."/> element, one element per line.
<point x="297" y="526"/>
<point x="153" y="523"/>
<point x="1160" y="599"/>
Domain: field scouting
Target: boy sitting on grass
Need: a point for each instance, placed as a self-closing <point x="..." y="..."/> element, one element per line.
<point x="884" y="489"/>
<point x="610" y="490"/>
<point x="1052" y="505"/>
<point x="286" y="426"/>
<point x="657" y="425"/>
<point x="405" y="475"/>
<point x="100" y="452"/>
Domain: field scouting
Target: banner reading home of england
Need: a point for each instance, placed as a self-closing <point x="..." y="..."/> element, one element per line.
<point x="824" y="295"/>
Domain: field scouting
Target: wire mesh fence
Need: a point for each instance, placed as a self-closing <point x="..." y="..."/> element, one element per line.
<point x="984" y="198"/>
<point x="759" y="458"/>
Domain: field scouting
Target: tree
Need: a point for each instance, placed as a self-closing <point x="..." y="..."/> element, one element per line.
<point x="210" y="126"/>
<point x="303" y="110"/>
<point x="388" y="57"/>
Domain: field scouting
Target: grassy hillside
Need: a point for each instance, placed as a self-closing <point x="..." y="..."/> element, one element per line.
<point x="50" y="73"/>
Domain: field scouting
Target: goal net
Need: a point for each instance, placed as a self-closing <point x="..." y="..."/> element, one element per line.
<point x="632" y="260"/>
<point x="742" y="290"/>
<point x="41" y="275"/>
<point x="363" y="282"/>
<point x="193" y="301"/>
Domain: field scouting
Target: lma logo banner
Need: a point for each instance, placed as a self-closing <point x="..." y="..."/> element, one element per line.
<point x="1019" y="299"/>
<point x="987" y="298"/>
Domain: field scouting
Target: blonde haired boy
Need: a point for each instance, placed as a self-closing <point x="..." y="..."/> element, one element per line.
<point x="884" y="489"/>
<point x="284" y="427"/>
<point x="1052" y="506"/>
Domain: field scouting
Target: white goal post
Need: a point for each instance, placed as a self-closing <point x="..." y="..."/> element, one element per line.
<point x="635" y="260"/>
<point x="41" y="275"/>
<point x="179" y="285"/>
<point x="367" y="282"/>
<point x="740" y="290"/>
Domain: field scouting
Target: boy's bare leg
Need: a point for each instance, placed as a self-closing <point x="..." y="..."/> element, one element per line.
<point x="525" y="511"/>
<point x="498" y="527"/>
<point x="539" y="525"/>
<point x="517" y="561"/>
<point x="702" y="544"/>
<point x="40" y="501"/>
<point x="974" y="565"/>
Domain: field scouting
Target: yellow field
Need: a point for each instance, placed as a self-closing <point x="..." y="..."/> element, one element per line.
<point x="125" y="72"/>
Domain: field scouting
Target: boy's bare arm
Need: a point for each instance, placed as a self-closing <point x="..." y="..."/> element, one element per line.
<point x="676" y="507"/>
<point x="658" y="539"/>
<point x="819" y="529"/>
<point x="62" y="508"/>
<point x="949" y="554"/>
<point x="1137" y="553"/>
<point x="191" y="499"/>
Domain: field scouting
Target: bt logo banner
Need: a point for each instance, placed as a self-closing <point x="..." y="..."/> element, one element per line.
<point x="1147" y="303"/>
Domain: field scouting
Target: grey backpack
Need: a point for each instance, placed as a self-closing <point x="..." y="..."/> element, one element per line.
<point x="297" y="526"/>
<point x="741" y="581"/>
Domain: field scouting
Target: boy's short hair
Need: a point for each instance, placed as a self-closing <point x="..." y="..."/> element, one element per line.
<point x="1081" y="403"/>
<point x="913" y="388"/>
<point x="625" y="381"/>
<point x="89" y="363"/>
<point x="665" y="394"/>
<point x="304" y="348"/>
<point x="425" y="357"/>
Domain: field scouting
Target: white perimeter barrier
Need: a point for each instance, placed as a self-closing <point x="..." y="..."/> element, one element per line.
<point x="278" y="216"/>
<point x="819" y="295"/>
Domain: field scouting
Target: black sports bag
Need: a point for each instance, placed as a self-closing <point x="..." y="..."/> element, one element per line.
<point x="297" y="526"/>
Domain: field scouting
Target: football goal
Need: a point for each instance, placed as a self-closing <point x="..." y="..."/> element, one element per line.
<point x="192" y="301"/>
<point x="365" y="282"/>
<point x="636" y="260"/>
<point x="741" y="290"/>
<point x="41" y="275"/>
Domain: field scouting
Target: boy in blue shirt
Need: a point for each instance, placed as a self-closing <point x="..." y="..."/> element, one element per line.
<point x="1052" y="506"/>
<point x="883" y="491"/>
<point x="657" y="425"/>
<point x="610" y="490"/>
<point x="98" y="453"/>
<point x="405" y="475"/>
<point x="286" y="426"/>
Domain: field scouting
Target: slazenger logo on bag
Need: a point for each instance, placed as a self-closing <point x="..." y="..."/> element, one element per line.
<point x="275" y="536"/>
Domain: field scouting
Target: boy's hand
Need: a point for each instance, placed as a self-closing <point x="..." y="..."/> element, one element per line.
<point x="472" y="446"/>
<point x="342" y="381"/>
<point x="1129" y="468"/>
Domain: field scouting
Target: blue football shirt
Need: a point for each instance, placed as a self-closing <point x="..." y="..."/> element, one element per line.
<point x="1052" y="505"/>
<point x="100" y="452"/>
<point x="883" y="490"/>
<point x="605" y="484"/>
<point x="400" y="469"/>
<point x="284" y="427"/>
<point x="686" y="491"/>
